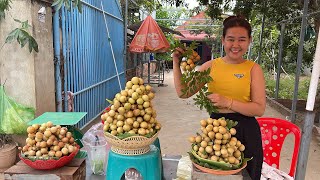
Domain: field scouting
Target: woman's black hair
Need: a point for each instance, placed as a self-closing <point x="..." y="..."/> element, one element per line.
<point x="236" y="21"/>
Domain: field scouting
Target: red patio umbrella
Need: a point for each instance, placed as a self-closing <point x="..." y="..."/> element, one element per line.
<point x="149" y="38"/>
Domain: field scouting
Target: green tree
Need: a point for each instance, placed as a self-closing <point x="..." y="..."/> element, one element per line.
<point x="274" y="11"/>
<point x="21" y="34"/>
<point x="168" y="13"/>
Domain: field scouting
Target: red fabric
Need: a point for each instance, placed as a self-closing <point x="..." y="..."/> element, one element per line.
<point x="273" y="133"/>
<point x="149" y="38"/>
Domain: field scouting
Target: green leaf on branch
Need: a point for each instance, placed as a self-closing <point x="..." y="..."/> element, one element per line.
<point x="22" y="36"/>
<point x="33" y="44"/>
<point x="56" y="2"/>
<point x="67" y="3"/>
<point x="79" y="6"/>
<point x="4" y="6"/>
<point x="231" y="123"/>
<point x="191" y="80"/>
<point x="188" y="50"/>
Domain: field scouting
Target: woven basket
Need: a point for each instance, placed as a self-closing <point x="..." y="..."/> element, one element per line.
<point x="219" y="172"/>
<point x="134" y="145"/>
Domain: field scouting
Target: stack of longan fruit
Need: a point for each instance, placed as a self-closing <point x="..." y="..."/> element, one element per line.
<point x="132" y="111"/>
<point x="48" y="141"/>
<point x="216" y="142"/>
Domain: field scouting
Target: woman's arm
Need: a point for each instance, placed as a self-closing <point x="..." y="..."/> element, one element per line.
<point x="258" y="97"/>
<point x="176" y="55"/>
<point x="177" y="74"/>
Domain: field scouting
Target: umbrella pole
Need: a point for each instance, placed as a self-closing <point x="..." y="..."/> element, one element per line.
<point x="149" y="71"/>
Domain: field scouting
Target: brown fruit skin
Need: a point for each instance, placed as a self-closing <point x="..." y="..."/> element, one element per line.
<point x="233" y="131"/>
<point x="198" y="139"/>
<point x="31" y="129"/>
<point x="192" y="139"/>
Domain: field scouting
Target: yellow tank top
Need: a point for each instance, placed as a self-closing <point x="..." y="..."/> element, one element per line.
<point x="231" y="80"/>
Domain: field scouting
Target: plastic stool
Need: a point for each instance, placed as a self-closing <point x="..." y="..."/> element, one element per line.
<point x="157" y="144"/>
<point x="148" y="165"/>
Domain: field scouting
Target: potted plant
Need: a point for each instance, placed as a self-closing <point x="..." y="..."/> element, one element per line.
<point x="8" y="151"/>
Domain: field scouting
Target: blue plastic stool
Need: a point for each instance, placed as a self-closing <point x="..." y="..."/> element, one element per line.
<point x="149" y="164"/>
<point x="157" y="144"/>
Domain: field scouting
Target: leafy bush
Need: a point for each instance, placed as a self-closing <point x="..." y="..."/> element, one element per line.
<point x="286" y="87"/>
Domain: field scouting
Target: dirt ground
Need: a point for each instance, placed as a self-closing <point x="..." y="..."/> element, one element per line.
<point x="180" y="119"/>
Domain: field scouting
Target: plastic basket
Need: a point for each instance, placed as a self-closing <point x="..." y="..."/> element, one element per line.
<point x="134" y="145"/>
<point x="50" y="163"/>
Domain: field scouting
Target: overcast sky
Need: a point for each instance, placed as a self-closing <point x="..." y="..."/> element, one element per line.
<point x="192" y="3"/>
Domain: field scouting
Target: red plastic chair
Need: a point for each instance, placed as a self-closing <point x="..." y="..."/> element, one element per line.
<point x="274" y="131"/>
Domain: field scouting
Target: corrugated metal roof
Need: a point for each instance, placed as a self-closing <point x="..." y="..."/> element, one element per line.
<point x="202" y="19"/>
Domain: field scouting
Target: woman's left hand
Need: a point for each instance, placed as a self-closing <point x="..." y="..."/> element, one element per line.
<point x="219" y="100"/>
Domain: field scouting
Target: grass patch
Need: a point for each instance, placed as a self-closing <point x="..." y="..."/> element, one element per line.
<point x="286" y="87"/>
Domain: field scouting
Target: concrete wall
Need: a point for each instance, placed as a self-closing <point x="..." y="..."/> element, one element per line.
<point x="29" y="76"/>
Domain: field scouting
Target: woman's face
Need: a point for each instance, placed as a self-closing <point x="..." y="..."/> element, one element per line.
<point x="236" y="43"/>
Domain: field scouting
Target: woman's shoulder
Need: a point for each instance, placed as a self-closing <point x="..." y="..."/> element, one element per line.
<point x="255" y="67"/>
<point x="249" y="61"/>
<point x="251" y="64"/>
<point x="215" y="61"/>
<point x="209" y="64"/>
<point x="206" y="65"/>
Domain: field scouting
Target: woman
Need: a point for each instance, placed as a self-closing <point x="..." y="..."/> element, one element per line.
<point x="238" y="88"/>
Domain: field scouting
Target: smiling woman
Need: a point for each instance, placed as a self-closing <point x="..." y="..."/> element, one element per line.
<point x="237" y="89"/>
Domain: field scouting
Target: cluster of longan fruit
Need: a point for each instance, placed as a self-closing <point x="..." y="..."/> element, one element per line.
<point x="216" y="142"/>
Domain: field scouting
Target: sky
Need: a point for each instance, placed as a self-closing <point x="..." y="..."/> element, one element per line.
<point x="192" y="3"/>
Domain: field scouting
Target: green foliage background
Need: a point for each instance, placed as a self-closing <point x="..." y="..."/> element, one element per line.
<point x="286" y="87"/>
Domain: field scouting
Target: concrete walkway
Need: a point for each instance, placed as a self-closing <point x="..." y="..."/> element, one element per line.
<point x="180" y="119"/>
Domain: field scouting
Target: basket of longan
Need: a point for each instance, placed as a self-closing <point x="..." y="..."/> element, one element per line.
<point x="215" y="150"/>
<point x="48" y="146"/>
<point x="130" y="123"/>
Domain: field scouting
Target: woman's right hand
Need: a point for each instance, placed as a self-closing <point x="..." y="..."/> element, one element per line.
<point x="176" y="55"/>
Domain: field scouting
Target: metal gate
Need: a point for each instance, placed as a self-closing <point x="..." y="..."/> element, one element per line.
<point x="91" y="48"/>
